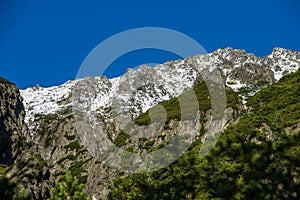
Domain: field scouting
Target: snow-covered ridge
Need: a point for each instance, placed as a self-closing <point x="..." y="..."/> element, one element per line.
<point x="139" y="90"/>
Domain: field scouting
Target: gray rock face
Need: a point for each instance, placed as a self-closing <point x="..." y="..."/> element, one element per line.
<point x="52" y="148"/>
<point x="31" y="173"/>
<point x="252" y="74"/>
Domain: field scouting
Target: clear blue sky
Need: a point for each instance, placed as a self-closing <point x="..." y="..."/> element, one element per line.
<point x="45" y="42"/>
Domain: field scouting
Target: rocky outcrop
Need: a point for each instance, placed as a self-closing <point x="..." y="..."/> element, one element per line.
<point x="53" y="147"/>
<point x="12" y="124"/>
<point x="27" y="169"/>
<point x="253" y="73"/>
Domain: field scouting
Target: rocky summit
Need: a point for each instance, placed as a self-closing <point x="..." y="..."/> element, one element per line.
<point x="41" y="137"/>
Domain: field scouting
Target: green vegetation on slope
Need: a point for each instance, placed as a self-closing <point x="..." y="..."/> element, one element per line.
<point x="8" y="189"/>
<point x="254" y="159"/>
<point x="68" y="188"/>
<point x="173" y="110"/>
<point x="172" y="106"/>
<point x="121" y="139"/>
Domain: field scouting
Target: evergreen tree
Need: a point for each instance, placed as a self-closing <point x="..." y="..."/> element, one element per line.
<point x="67" y="188"/>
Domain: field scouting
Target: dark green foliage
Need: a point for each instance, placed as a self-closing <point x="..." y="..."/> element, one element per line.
<point x="21" y="195"/>
<point x="73" y="146"/>
<point x="41" y="160"/>
<point x="59" y="173"/>
<point x="69" y="137"/>
<point x="246" y="163"/>
<point x="248" y="90"/>
<point x="130" y="149"/>
<point x="66" y="111"/>
<point x="121" y="139"/>
<point x="279" y="104"/>
<point x="83" y="179"/>
<point x="202" y="124"/>
<point x="61" y="115"/>
<point x="149" y="144"/>
<point x="68" y="188"/>
<point x="76" y="169"/>
<point x="232" y="98"/>
<point x="69" y="157"/>
<point x="65" y="101"/>
<point x="3" y="169"/>
<point x="6" y="186"/>
<point x="47" y="118"/>
<point x="107" y="109"/>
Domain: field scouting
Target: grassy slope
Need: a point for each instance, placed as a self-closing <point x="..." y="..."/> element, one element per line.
<point x="172" y="106"/>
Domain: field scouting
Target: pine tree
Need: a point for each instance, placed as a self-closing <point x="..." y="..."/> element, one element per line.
<point x="67" y="188"/>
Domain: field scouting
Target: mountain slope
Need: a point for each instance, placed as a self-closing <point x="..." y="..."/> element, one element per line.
<point x="54" y="144"/>
<point x="147" y="86"/>
<point x="258" y="158"/>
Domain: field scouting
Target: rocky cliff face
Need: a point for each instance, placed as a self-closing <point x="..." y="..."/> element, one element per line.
<point x="12" y="124"/>
<point x="53" y="148"/>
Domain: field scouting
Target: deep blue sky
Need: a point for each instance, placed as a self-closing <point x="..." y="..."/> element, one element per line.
<point x="45" y="42"/>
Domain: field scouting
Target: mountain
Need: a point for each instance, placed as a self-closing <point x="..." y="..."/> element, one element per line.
<point x="48" y="135"/>
<point x="256" y="158"/>
<point x="147" y="86"/>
